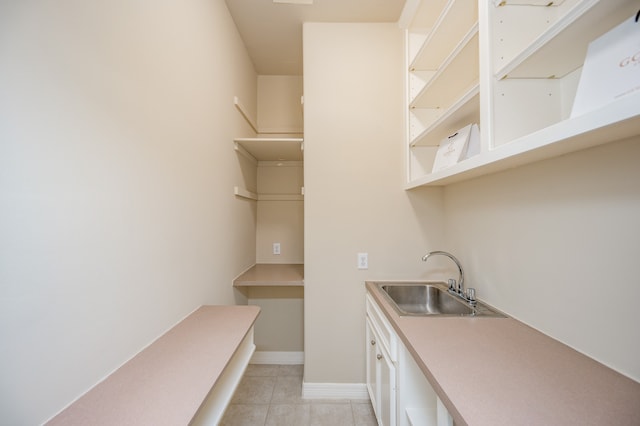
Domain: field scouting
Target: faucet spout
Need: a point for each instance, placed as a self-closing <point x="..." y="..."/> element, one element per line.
<point x="460" y="288"/>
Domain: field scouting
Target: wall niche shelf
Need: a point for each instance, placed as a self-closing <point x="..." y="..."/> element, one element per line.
<point x="270" y="149"/>
<point x="271" y="275"/>
<point x="244" y="193"/>
<point x="274" y="152"/>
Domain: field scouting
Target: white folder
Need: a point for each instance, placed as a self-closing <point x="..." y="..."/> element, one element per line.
<point x="611" y="68"/>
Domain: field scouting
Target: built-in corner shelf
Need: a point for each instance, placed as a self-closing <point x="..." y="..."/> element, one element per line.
<point x="244" y="193"/>
<point x="272" y="274"/>
<point x="265" y="152"/>
<point x="270" y="149"/>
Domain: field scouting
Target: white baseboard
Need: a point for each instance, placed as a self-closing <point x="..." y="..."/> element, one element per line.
<point x="288" y="358"/>
<point x="334" y="391"/>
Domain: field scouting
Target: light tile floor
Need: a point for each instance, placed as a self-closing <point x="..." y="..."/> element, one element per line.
<point x="271" y="395"/>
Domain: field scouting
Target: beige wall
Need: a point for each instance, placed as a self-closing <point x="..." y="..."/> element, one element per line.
<point x="552" y="243"/>
<point x="280" y="325"/>
<point x="280" y="112"/>
<point x="555" y="244"/>
<point x="354" y="201"/>
<point x="280" y="221"/>
<point x="117" y="214"/>
<point x="279" y="108"/>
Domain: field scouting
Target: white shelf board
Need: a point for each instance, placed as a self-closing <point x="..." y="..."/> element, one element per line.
<point x="415" y="44"/>
<point x="280" y="197"/>
<point x="615" y="121"/>
<point x="561" y="49"/>
<point x="456" y="74"/>
<point x="272" y="149"/>
<point x="242" y="192"/>
<point x="427" y="13"/>
<point x="452" y="25"/>
<point x="543" y="3"/>
<point x="465" y="110"/>
<point x="417" y="82"/>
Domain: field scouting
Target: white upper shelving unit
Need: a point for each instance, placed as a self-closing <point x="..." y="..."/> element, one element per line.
<point x="442" y="70"/>
<point x="529" y="59"/>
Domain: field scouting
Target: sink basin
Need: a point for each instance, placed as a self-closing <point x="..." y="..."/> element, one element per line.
<point x="430" y="299"/>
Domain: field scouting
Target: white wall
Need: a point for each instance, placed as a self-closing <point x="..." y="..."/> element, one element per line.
<point x="556" y="244"/>
<point x="354" y="201"/>
<point x="117" y="216"/>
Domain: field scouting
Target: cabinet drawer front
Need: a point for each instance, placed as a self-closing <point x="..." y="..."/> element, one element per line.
<point x="382" y="327"/>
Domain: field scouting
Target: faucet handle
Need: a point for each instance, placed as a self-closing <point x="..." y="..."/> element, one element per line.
<point x="471" y="294"/>
<point x="452" y="284"/>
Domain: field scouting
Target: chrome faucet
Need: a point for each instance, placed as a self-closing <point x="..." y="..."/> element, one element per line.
<point x="468" y="295"/>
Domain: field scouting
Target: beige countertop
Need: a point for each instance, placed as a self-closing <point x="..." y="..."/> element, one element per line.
<point x="271" y="274"/>
<point x="499" y="371"/>
<point x="166" y="383"/>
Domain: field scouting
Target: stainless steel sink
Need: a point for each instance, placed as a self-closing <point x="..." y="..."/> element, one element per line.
<point x="430" y="299"/>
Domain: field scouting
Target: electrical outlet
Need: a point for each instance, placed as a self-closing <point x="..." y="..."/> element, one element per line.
<point x="363" y="261"/>
<point x="276" y="248"/>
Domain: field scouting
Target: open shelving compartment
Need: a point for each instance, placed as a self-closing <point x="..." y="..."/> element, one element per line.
<point x="442" y="78"/>
<point x="268" y="151"/>
<point x="531" y="57"/>
<point x="270" y="189"/>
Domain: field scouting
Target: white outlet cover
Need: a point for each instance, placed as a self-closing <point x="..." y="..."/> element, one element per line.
<point x="363" y="261"/>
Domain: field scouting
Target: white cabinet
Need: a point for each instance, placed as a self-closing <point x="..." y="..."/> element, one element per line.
<point x="512" y="66"/>
<point x="381" y="369"/>
<point x="418" y="404"/>
<point x="400" y="394"/>
<point x="380" y="378"/>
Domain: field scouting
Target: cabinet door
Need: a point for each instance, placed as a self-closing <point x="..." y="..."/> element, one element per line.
<point x="372" y="364"/>
<point x="387" y="384"/>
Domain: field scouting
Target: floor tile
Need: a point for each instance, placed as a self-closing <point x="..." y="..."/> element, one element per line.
<point x="271" y="395"/>
<point x="363" y="414"/>
<point x="262" y="370"/>
<point x="291" y="370"/>
<point x="331" y="415"/>
<point x="289" y="415"/>
<point x="245" y="415"/>
<point x="288" y="389"/>
<point x="254" y="390"/>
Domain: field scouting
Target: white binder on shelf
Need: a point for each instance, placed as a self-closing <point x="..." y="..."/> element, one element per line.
<point x="611" y="68"/>
<point x="463" y="144"/>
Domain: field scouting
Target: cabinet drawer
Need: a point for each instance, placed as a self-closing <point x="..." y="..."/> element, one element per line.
<point x="382" y="328"/>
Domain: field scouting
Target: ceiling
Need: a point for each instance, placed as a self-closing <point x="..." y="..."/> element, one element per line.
<point x="272" y="32"/>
